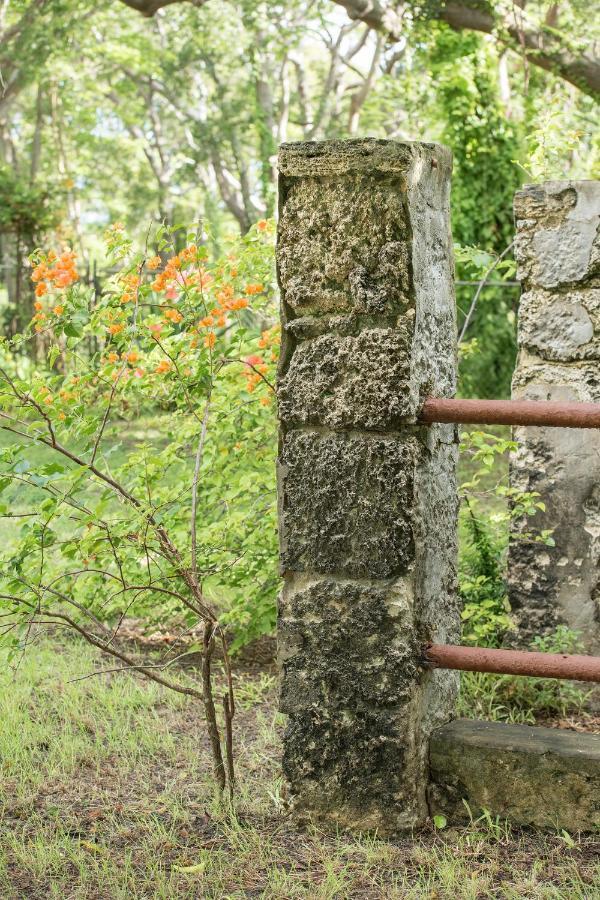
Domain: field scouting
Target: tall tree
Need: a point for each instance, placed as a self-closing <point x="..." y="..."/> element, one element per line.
<point x="540" y="40"/>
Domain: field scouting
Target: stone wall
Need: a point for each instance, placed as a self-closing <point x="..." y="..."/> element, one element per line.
<point x="367" y="498"/>
<point x="558" y="254"/>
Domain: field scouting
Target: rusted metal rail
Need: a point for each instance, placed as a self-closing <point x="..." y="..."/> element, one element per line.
<point x="511" y="412"/>
<point x="514" y="662"/>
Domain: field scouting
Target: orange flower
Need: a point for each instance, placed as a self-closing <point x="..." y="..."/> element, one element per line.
<point x="113" y="357"/>
<point x="58" y="310"/>
<point x="265" y="401"/>
<point x="206" y="322"/>
<point x="270" y="336"/>
<point x="155" y="328"/>
<point x="163" y="367"/>
<point x="63" y="273"/>
<point x="262" y="225"/>
<point x="39" y="272"/>
<point x="38" y="305"/>
<point x="62" y="416"/>
<point x="188" y="253"/>
<point x="132" y="356"/>
<point x="225" y="294"/>
<point x="209" y="340"/>
<point x="154" y="263"/>
<point x="254" y="288"/>
<point x="115" y="329"/>
<point x="173" y="315"/>
<point x="127" y="298"/>
<point x="159" y="282"/>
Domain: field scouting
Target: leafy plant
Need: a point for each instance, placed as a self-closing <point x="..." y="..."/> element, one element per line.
<point x="550" y="143"/>
<point x="489" y="504"/>
<point x="107" y="529"/>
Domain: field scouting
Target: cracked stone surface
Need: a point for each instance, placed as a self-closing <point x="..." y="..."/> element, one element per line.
<point x="558" y="255"/>
<point x="367" y="497"/>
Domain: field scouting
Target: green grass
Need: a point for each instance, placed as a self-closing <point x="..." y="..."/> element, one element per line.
<point x="105" y="792"/>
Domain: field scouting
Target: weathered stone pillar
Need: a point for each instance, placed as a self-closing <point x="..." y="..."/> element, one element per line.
<point x="558" y="252"/>
<point x="367" y="498"/>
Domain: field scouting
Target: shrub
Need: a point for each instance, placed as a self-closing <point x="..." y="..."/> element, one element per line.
<point x="106" y="526"/>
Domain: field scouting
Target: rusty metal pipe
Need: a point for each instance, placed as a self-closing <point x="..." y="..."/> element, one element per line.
<point x="511" y="412"/>
<point x="514" y="662"/>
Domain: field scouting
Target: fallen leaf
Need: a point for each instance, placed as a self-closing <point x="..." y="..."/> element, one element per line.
<point x="190" y="870"/>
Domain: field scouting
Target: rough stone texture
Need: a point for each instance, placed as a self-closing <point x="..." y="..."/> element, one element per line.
<point x="532" y="776"/>
<point x="367" y="497"/>
<point x="348" y="504"/>
<point x="349" y="380"/>
<point x="558" y="254"/>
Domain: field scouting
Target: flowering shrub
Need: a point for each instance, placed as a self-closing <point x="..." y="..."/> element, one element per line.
<point x="180" y="523"/>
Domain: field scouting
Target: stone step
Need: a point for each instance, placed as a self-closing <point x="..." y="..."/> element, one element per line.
<point x="532" y="776"/>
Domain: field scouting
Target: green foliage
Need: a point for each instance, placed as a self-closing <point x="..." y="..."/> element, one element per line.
<point x="102" y="501"/>
<point x="509" y="698"/>
<point x="482" y="589"/>
<point x="550" y="142"/>
<point x="483" y="532"/>
<point x="485" y="518"/>
<point x="485" y="145"/>
<point x="27" y="210"/>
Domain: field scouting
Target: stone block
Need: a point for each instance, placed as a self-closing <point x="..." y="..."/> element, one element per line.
<point x="346" y="503"/>
<point x="362" y="278"/>
<point x="325" y="626"/>
<point x="532" y="776"/>
<point x="351" y="381"/>
<point x="558" y="242"/>
<point x="563" y="327"/>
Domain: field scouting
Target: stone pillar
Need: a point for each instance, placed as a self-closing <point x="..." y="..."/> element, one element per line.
<point x="367" y="498"/>
<point x="558" y="254"/>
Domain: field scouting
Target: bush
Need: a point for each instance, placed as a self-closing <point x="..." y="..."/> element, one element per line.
<point x="108" y="524"/>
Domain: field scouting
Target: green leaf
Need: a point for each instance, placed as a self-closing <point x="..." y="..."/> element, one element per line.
<point x="53" y="354"/>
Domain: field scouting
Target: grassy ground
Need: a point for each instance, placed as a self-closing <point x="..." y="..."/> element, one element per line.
<point x="105" y="793"/>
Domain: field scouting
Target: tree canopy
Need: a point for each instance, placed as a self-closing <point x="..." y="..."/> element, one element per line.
<point x="173" y="110"/>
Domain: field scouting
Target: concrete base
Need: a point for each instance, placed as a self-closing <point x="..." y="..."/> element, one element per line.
<point x="531" y="776"/>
